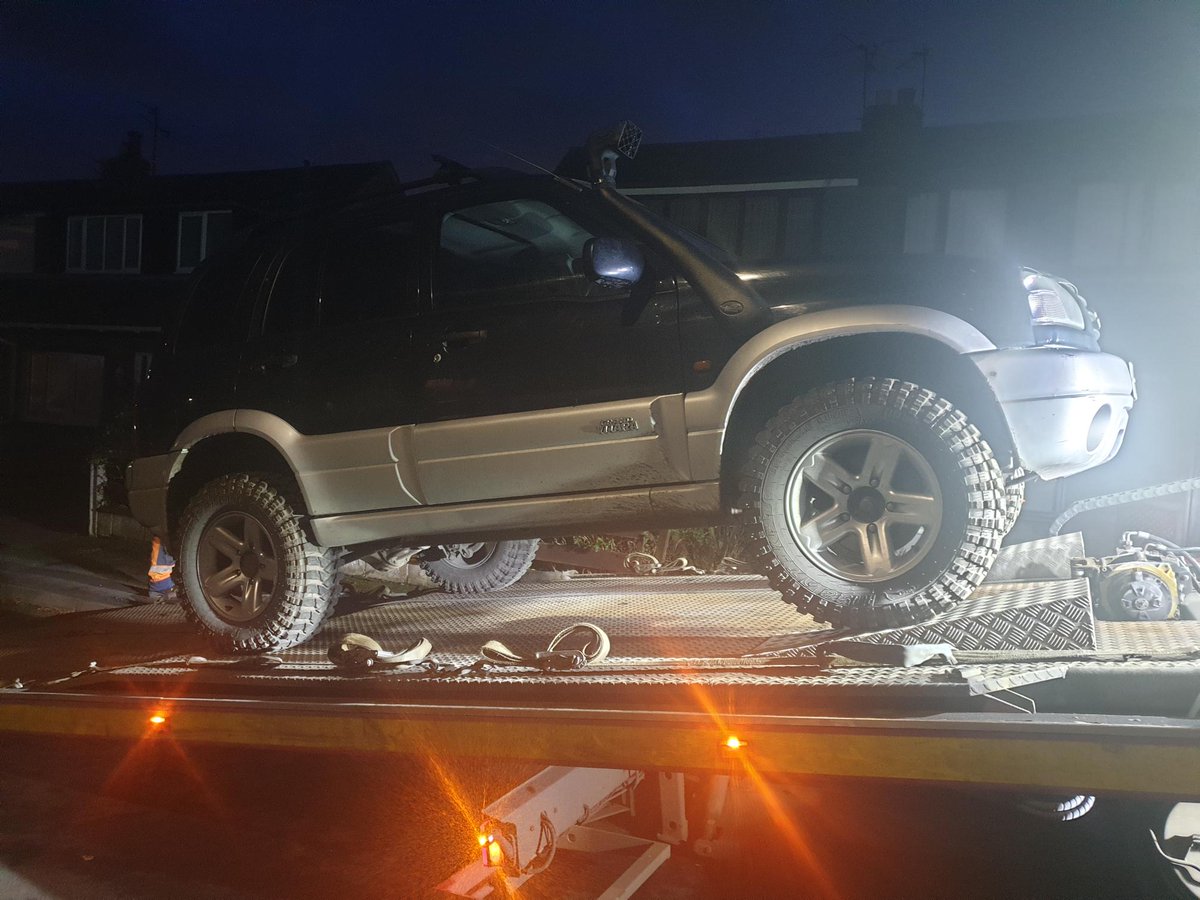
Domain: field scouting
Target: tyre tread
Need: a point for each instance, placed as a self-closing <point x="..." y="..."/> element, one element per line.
<point x="989" y="514"/>
<point x="305" y="605"/>
<point x="511" y="560"/>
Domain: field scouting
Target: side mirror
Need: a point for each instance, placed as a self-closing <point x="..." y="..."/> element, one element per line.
<point x="613" y="262"/>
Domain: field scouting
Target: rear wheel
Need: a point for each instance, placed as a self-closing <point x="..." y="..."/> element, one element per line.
<point x="251" y="579"/>
<point x="480" y="567"/>
<point x="874" y="503"/>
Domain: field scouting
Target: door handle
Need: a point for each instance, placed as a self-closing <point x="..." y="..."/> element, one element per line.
<point x="278" y="361"/>
<point x="462" y="338"/>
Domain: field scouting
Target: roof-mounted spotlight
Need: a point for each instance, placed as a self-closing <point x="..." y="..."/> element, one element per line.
<point x="605" y="146"/>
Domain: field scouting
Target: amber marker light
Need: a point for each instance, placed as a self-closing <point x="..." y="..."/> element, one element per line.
<point x="733" y="742"/>
<point x="158" y="719"/>
<point x="493" y="853"/>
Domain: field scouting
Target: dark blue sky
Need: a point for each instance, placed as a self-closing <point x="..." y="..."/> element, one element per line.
<point x="245" y="85"/>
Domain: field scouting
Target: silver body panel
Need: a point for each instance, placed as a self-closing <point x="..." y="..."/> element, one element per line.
<point x="1052" y="398"/>
<point x="146" y="482"/>
<point x="526" y="517"/>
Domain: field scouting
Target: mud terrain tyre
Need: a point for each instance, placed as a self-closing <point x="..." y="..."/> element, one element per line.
<point x="1015" y="499"/>
<point x="873" y="503"/>
<point x="251" y="579"/>
<point x="479" y="568"/>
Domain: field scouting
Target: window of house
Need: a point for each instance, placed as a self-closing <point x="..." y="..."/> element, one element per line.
<point x="201" y="234"/>
<point x="104" y="244"/>
<point x="63" y="388"/>
<point x="16" y="243"/>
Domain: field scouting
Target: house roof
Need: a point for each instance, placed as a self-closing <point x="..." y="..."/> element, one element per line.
<point x="1155" y="145"/>
<point x="797" y="158"/>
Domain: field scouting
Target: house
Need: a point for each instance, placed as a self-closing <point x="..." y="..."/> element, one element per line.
<point x="89" y="275"/>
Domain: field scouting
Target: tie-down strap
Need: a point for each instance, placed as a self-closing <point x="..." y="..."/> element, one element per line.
<point x="552" y="658"/>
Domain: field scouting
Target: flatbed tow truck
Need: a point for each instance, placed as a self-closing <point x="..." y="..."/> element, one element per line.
<point x="1019" y="689"/>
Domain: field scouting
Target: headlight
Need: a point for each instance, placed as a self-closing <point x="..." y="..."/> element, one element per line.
<point x="1052" y="304"/>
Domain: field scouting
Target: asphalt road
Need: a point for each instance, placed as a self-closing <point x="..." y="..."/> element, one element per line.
<point x="95" y="819"/>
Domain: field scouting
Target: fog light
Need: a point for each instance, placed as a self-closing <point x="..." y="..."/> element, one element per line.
<point x="1099" y="427"/>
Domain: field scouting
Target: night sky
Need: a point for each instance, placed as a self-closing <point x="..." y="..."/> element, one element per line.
<point x="246" y="85"/>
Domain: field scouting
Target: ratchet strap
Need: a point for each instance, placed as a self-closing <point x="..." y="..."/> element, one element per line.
<point x="552" y="659"/>
<point x="359" y="652"/>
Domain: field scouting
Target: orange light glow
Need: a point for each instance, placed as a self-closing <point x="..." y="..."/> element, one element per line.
<point x="483" y="840"/>
<point x="733" y="742"/>
<point x="495" y="854"/>
<point x="158" y="719"/>
<point x="795" y="841"/>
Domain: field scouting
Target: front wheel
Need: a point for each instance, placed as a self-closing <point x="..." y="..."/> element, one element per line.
<point x="874" y="503"/>
<point x="481" y="567"/>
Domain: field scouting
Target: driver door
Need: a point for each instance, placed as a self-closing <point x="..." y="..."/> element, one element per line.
<point x="536" y="381"/>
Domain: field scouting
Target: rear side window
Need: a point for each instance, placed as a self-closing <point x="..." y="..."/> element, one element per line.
<point x="215" y="313"/>
<point x="368" y="274"/>
<point x="292" y="304"/>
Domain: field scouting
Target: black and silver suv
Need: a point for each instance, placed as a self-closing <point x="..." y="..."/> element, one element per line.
<point x="457" y="371"/>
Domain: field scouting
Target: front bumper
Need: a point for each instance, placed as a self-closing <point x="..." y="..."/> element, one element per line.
<point x="1067" y="410"/>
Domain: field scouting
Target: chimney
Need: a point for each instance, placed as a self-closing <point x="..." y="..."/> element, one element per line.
<point x="132" y="147"/>
<point x="129" y="164"/>
<point x="890" y="135"/>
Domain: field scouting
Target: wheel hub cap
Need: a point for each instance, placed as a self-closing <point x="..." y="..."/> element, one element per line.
<point x="250" y="564"/>
<point x="866" y="504"/>
<point x="238" y="566"/>
<point x="863" y="505"/>
<point x="468" y="556"/>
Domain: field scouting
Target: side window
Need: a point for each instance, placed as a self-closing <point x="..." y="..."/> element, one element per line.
<point x="292" y="305"/>
<point x="368" y="274"/>
<point x="214" y="313"/>
<point x="511" y="251"/>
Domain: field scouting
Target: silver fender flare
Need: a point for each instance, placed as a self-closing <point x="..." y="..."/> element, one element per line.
<point x="707" y="412"/>
<point x="357" y="468"/>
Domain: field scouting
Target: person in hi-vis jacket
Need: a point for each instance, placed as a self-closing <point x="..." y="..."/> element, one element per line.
<point x="160" y="583"/>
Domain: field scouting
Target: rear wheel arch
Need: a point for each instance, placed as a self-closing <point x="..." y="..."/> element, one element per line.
<point x="915" y="358"/>
<point x="229" y="453"/>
